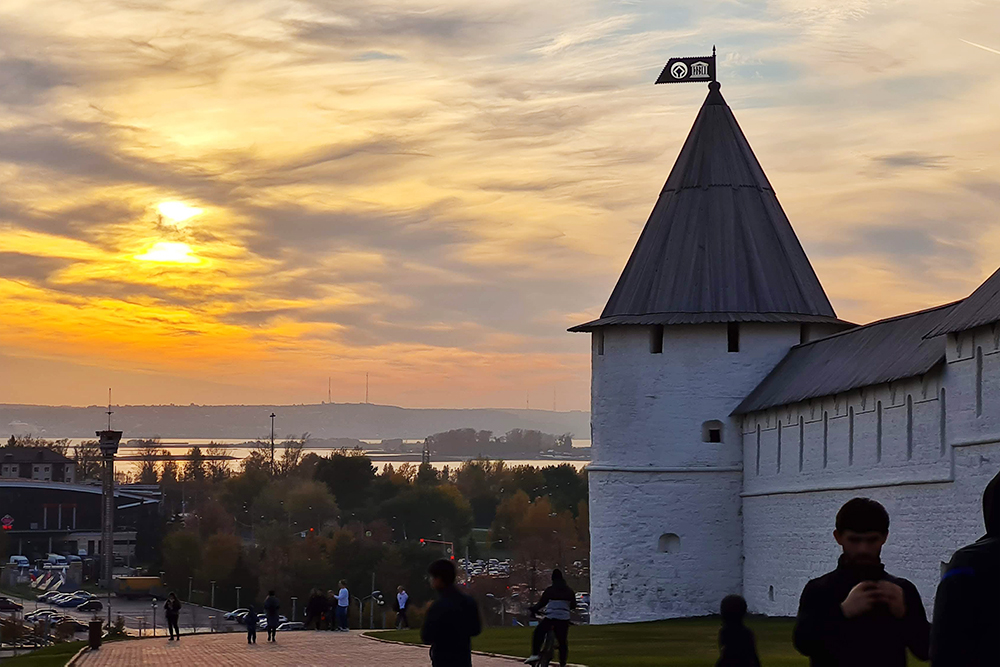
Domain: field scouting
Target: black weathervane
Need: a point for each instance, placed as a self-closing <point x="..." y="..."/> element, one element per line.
<point x="687" y="70"/>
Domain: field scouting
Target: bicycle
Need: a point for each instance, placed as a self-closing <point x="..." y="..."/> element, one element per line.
<point x="548" y="649"/>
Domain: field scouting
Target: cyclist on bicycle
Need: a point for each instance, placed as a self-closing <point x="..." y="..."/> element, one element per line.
<point x="557" y="600"/>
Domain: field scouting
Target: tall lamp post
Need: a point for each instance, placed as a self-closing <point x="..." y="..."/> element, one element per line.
<point x="272" y="444"/>
<point x="108" y="442"/>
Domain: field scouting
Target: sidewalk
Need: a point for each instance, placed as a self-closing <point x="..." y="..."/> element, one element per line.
<point x="306" y="648"/>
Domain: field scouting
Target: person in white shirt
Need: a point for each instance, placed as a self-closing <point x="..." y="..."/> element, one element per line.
<point x="401" y="599"/>
<point x="343" y="600"/>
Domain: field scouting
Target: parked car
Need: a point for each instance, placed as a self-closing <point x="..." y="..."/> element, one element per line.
<point x="262" y="620"/>
<point x="39" y="614"/>
<point x="236" y="614"/>
<point x="90" y="605"/>
<point x="72" y="601"/>
<point x="47" y="595"/>
<point x="6" y="604"/>
<point x="292" y="625"/>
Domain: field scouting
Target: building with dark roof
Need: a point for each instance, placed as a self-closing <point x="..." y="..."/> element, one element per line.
<point x="733" y="412"/>
<point x="38" y="463"/>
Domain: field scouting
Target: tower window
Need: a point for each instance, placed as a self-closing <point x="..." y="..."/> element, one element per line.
<point x="656" y="339"/>
<point x="711" y="431"/>
<point x="733" y="334"/>
<point x="668" y="543"/>
<point x="599" y="342"/>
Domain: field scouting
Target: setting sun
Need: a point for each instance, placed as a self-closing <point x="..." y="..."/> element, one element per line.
<point x="178" y="211"/>
<point x="170" y="252"/>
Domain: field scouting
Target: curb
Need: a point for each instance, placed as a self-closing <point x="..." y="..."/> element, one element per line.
<point x="520" y="661"/>
<point x="76" y="658"/>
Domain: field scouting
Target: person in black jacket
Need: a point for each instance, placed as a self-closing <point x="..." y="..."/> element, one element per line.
<point x="452" y="621"/>
<point x="858" y="614"/>
<point x="251" y="622"/>
<point x="737" y="647"/>
<point x="271" y="606"/>
<point x="172" y="607"/>
<point x="967" y="605"/>
<point x="557" y="600"/>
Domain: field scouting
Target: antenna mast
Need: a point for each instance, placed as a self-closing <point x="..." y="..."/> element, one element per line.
<point x="109" y="408"/>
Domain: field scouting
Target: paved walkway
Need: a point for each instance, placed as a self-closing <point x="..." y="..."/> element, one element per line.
<point x="308" y="648"/>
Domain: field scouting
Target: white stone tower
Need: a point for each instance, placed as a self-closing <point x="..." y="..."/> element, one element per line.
<point x="715" y="293"/>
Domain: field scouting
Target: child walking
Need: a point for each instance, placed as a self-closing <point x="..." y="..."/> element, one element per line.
<point x="737" y="647"/>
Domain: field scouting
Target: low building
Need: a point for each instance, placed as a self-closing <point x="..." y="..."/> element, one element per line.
<point x="58" y="517"/>
<point x="38" y="463"/>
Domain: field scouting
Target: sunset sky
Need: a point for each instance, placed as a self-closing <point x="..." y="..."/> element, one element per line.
<point x="229" y="201"/>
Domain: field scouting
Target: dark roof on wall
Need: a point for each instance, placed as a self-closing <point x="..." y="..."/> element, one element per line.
<point x="875" y="353"/>
<point x="31" y="455"/>
<point x="979" y="308"/>
<point x="717" y="243"/>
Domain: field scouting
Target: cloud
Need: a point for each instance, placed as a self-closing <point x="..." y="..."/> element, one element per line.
<point x="433" y="191"/>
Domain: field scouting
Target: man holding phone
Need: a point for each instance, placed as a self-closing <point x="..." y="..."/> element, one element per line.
<point x="858" y="614"/>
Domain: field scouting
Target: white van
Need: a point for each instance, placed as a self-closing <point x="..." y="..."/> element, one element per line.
<point x="56" y="559"/>
<point x="20" y="561"/>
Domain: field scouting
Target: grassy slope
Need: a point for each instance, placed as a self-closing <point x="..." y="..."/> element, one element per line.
<point x="690" y="642"/>
<point x="50" y="656"/>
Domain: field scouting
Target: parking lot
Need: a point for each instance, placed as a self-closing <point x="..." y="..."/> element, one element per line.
<point x="142" y="617"/>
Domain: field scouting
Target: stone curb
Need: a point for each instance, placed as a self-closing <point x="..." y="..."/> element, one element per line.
<point x="483" y="653"/>
<point x="76" y="658"/>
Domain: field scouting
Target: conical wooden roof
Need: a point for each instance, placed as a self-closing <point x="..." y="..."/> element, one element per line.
<point x="717" y="246"/>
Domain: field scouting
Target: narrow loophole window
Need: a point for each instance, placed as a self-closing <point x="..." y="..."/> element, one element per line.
<point x="757" y="467"/>
<point x="826" y="437"/>
<point x="979" y="381"/>
<point x="733" y="334"/>
<point x="802" y="442"/>
<point x="778" y="463"/>
<point x="878" y="431"/>
<point x="850" y="436"/>
<point x="656" y="339"/>
<point x="943" y="434"/>
<point x="909" y="427"/>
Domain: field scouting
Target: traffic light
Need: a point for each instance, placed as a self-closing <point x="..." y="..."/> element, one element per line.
<point x="421" y="540"/>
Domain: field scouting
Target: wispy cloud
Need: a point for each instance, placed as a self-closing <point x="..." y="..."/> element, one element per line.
<point x="432" y="192"/>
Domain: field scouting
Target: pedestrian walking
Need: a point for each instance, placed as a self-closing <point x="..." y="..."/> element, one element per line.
<point x="343" y="601"/>
<point x="401" y="601"/>
<point x="966" y="607"/>
<point x="737" y="646"/>
<point x="251" y="622"/>
<point x="314" y="613"/>
<point x="271" y="607"/>
<point x="452" y="621"/>
<point x="172" y="607"/>
<point x="859" y="614"/>
<point x="330" y="605"/>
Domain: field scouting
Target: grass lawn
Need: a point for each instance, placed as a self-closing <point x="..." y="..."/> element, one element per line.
<point x="689" y="641"/>
<point x="50" y="656"/>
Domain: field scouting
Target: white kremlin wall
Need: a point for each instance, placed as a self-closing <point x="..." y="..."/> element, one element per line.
<point x="931" y="487"/>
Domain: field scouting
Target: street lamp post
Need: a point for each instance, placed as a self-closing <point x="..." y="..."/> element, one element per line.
<point x="294" y="600"/>
<point x="238" y="596"/>
<point x="213" y="594"/>
<point x="190" y="585"/>
<point x="108" y="442"/>
<point x="272" y="444"/>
